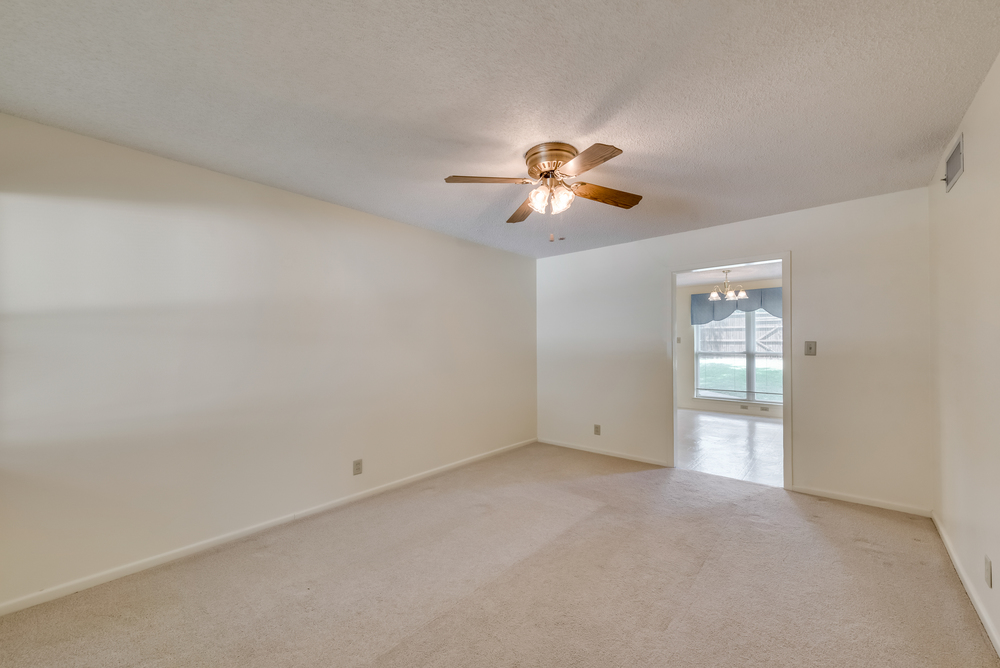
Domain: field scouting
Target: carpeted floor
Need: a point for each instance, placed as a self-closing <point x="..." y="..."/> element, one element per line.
<point x="542" y="556"/>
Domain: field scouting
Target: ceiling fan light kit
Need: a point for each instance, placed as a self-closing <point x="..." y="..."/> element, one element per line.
<point x="538" y="199"/>
<point x="549" y="165"/>
<point x="562" y="197"/>
<point x="553" y="191"/>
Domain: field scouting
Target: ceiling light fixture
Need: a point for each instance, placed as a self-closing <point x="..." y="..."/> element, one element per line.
<point x="549" y="165"/>
<point x="727" y="289"/>
<point x="553" y="191"/>
<point x="562" y="197"/>
<point x="538" y="198"/>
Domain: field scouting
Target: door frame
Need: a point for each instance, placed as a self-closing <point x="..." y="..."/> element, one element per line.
<point x="786" y="349"/>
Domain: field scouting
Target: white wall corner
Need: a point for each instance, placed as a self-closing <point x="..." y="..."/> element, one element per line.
<point x="977" y="603"/>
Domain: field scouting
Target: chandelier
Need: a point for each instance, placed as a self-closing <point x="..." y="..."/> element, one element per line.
<point x="727" y="289"/>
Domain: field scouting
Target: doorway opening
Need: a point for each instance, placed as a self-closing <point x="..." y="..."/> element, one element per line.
<point x="732" y="370"/>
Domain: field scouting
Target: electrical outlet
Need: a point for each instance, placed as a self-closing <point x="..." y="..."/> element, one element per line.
<point x="597" y="430"/>
<point x="678" y="339"/>
<point x="989" y="573"/>
<point x="810" y="347"/>
<point x="357" y="467"/>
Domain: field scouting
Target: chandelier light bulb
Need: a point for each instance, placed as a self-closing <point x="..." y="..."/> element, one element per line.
<point x="727" y="288"/>
<point x="538" y="198"/>
<point x="562" y="197"/>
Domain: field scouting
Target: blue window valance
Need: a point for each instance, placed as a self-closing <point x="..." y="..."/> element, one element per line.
<point x="704" y="311"/>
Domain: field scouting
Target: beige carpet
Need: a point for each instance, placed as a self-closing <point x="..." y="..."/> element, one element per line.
<point x="539" y="557"/>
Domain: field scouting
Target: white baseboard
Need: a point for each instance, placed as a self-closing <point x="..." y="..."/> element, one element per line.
<point x="89" y="581"/>
<point x="991" y="629"/>
<point x="609" y="453"/>
<point x="865" y="501"/>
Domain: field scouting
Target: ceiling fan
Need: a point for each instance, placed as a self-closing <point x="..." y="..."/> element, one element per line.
<point x="549" y="165"/>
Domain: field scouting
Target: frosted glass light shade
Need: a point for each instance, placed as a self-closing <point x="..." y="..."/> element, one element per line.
<point x="538" y="198"/>
<point x="714" y="297"/>
<point x="562" y="197"/>
<point x="730" y="296"/>
<point x="742" y="294"/>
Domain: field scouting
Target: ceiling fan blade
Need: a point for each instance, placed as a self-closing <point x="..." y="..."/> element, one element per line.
<point x="596" y="155"/>
<point x="522" y="212"/>
<point x="604" y="195"/>
<point x="486" y="179"/>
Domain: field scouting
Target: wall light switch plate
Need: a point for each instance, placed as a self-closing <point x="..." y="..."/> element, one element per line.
<point x="597" y="430"/>
<point x="678" y="339"/>
<point x="810" y="347"/>
<point x="357" y="467"/>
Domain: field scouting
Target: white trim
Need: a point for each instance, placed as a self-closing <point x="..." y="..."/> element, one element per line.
<point x="787" y="360"/>
<point x="960" y="147"/>
<point x="89" y="581"/>
<point x="609" y="453"/>
<point x="977" y="604"/>
<point x="863" y="500"/>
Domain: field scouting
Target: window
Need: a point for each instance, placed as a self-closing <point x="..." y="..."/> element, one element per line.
<point x="739" y="358"/>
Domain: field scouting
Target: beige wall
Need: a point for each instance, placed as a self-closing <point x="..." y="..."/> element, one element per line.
<point x="965" y="243"/>
<point x="861" y="421"/>
<point x="186" y="355"/>
<point x="684" y="352"/>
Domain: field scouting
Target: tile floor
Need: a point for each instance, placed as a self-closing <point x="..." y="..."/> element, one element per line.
<point x="736" y="446"/>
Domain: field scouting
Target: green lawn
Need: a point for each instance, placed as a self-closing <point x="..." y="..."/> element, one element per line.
<point x="728" y="377"/>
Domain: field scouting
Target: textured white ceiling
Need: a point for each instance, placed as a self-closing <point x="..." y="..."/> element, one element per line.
<point x="725" y="110"/>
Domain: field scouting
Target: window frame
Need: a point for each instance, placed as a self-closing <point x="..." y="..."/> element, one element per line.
<point x="750" y="354"/>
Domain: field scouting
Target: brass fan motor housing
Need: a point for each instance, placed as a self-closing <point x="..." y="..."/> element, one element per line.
<point x="547" y="157"/>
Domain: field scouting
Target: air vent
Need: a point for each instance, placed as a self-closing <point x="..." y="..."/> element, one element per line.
<point x="955" y="165"/>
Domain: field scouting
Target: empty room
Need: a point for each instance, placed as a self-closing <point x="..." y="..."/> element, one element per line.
<point x="453" y="333"/>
